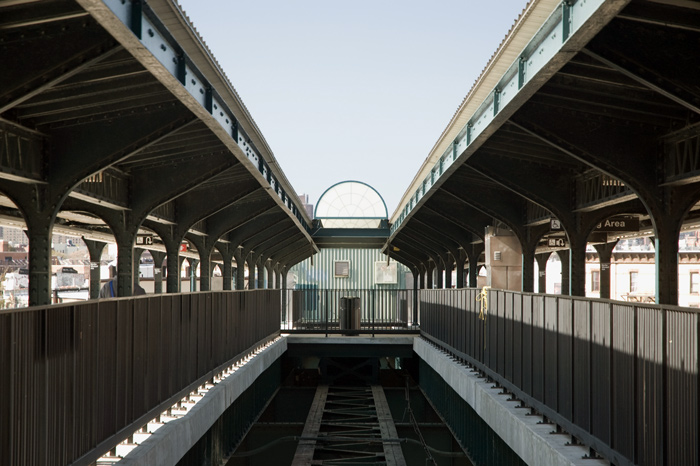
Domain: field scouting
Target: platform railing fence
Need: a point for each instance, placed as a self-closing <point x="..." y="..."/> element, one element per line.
<point x="315" y="310"/>
<point x="79" y="378"/>
<point x="622" y="378"/>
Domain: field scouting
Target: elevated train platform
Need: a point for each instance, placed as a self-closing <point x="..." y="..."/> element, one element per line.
<point x="117" y="125"/>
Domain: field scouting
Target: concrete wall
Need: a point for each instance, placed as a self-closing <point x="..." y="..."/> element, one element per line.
<point x="503" y="259"/>
<point x="534" y="443"/>
<point x="169" y="443"/>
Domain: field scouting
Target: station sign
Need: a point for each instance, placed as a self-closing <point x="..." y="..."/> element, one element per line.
<point x="619" y="223"/>
<point x="556" y="243"/>
<point x="144" y="240"/>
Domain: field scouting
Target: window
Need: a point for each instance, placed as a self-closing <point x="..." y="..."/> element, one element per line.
<point x="695" y="282"/>
<point x="634" y="283"/>
<point x="342" y="269"/>
<point x="595" y="280"/>
<point x="385" y="273"/>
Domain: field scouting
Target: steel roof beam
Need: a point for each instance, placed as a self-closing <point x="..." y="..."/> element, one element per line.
<point x="437" y="232"/>
<point x="405" y="259"/>
<point x="438" y="246"/>
<point x="295" y="253"/>
<point x="39" y="80"/>
<point x="172" y="181"/>
<point x="203" y="202"/>
<point x="455" y="228"/>
<point x="495" y="203"/>
<point x="555" y="195"/>
<point x="286" y="245"/>
<point x="267" y="237"/>
<point x="79" y="155"/>
<point x="631" y="166"/>
<point x="408" y="249"/>
<point x="241" y="222"/>
<point x="649" y="79"/>
<point x="49" y="12"/>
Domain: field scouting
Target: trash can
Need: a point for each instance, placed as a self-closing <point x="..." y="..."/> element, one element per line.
<point x="349" y="314"/>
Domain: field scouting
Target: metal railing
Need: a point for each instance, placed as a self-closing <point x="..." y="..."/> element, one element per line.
<point x="620" y="377"/>
<point x="77" y="379"/>
<point x="380" y="311"/>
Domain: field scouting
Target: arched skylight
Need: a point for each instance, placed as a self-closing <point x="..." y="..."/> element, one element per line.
<point x="351" y="204"/>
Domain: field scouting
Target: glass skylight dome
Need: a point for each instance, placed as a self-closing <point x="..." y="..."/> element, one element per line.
<point x="351" y="204"/>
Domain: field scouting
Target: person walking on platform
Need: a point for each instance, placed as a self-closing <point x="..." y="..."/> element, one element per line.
<point x="109" y="289"/>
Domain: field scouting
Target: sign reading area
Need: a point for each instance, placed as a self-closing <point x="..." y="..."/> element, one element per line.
<point x="620" y="223"/>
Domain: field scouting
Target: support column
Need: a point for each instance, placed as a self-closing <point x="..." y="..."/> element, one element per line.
<point x="260" y="265"/>
<point x="414" y="316"/>
<point x="564" y="257"/>
<point x="283" y="277"/>
<point x="173" y="265"/>
<point x="421" y="276"/>
<point x="439" y="271"/>
<point x="205" y="269"/>
<point x="95" y="249"/>
<point x="137" y="268"/>
<point x="460" y="261"/>
<point x="542" y="259"/>
<point x="240" y="268"/>
<point x="429" y="268"/>
<point x="270" y="275"/>
<point x="125" y="263"/>
<point x="448" y="270"/>
<point x="278" y="278"/>
<point x="604" y="255"/>
<point x="193" y="274"/>
<point x="181" y="260"/>
<point x="39" y="234"/>
<point x="666" y="245"/>
<point x="252" y="282"/>
<point x="528" y="267"/>
<point x="158" y="258"/>
<point x="40" y="204"/>
<point x="227" y="269"/>
<point x="577" y="266"/>
<point x="473" y="275"/>
<point x="473" y="255"/>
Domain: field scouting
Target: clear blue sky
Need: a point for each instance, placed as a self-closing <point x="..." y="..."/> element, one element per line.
<point x="355" y="90"/>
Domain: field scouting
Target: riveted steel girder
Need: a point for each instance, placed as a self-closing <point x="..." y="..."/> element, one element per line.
<point x="467" y="217"/>
<point x="247" y="223"/>
<point x="264" y="240"/>
<point x="436" y="247"/>
<point x="524" y="180"/>
<point x="90" y="114"/>
<point x="208" y="199"/>
<point x="295" y="253"/>
<point x="435" y="222"/>
<point x="493" y="201"/>
<point x="409" y="249"/>
<point x="74" y="52"/>
<point x="447" y="242"/>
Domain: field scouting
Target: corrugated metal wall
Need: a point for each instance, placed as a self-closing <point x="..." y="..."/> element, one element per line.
<point x="362" y="270"/>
